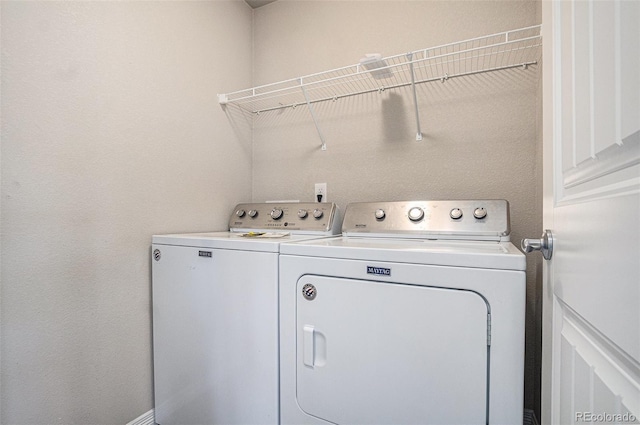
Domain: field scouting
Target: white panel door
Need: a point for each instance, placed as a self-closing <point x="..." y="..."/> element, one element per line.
<point x="591" y="101"/>
<point x="380" y="353"/>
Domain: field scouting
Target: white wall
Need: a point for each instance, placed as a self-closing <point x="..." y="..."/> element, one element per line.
<point x="481" y="133"/>
<point x="111" y="132"/>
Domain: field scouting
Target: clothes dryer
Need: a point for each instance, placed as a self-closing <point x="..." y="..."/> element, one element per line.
<point x="415" y="315"/>
<point x="215" y="314"/>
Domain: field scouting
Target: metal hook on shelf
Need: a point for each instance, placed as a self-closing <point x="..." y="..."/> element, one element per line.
<point x="444" y="78"/>
<point x="381" y="89"/>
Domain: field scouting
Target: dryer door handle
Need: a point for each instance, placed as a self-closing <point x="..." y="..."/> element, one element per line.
<point x="308" y="342"/>
<point x="314" y="347"/>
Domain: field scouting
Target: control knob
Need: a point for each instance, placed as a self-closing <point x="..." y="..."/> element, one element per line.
<point x="253" y="213"/>
<point x="303" y="213"/>
<point x="276" y="213"/>
<point x="317" y="213"/>
<point x="416" y="214"/>
<point x="456" y="213"/>
<point x="480" y="213"/>
<point x="380" y="214"/>
<point x="240" y="213"/>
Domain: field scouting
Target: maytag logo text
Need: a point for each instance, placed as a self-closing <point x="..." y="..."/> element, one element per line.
<point x="379" y="271"/>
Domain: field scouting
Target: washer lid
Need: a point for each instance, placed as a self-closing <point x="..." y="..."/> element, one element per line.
<point x="264" y="226"/>
<point x="478" y="254"/>
<point x="231" y="240"/>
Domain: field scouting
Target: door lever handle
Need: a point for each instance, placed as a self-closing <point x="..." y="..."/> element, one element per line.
<point x="544" y="244"/>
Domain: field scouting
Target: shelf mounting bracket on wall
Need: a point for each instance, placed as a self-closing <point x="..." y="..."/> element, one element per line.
<point x="415" y="96"/>
<point x="313" y="116"/>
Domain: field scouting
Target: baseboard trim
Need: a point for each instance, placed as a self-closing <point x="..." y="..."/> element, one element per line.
<point x="144" y="419"/>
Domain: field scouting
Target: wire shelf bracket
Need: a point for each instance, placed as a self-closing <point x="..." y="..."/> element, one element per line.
<point x="415" y="97"/>
<point x="501" y="51"/>
<point x="313" y="116"/>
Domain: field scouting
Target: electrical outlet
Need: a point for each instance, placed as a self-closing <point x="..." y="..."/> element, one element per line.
<point x="321" y="191"/>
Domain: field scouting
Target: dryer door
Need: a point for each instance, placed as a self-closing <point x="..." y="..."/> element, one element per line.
<point x="383" y="353"/>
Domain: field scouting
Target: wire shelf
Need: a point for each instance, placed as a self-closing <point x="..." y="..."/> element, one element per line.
<point x="510" y="49"/>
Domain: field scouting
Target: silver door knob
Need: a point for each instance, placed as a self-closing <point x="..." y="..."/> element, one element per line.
<point x="544" y="244"/>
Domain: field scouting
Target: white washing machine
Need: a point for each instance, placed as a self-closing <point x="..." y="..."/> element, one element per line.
<point x="215" y="314"/>
<point x="414" y="316"/>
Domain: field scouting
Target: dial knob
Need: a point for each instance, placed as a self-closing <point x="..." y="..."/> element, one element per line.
<point x="456" y="213"/>
<point x="303" y="213"/>
<point x="416" y="214"/>
<point x="276" y="213"/>
<point x="240" y="213"/>
<point x="380" y="214"/>
<point x="317" y="213"/>
<point x="253" y="213"/>
<point x="480" y="213"/>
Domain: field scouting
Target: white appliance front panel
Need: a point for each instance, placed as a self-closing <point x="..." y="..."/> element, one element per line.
<point x="384" y="353"/>
<point x="504" y="291"/>
<point x="215" y="336"/>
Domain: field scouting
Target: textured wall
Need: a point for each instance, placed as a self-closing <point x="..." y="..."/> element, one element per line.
<point x="481" y="133"/>
<point x="111" y="132"/>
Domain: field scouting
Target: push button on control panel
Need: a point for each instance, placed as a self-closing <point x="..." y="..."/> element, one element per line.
<point x="456" y="214"/>
<point x="416" y="214"/>
<point x="480" y="213"/>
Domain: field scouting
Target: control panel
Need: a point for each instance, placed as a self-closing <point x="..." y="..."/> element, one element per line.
<point x="298" y="217"/>
<point x="461" y="219"/>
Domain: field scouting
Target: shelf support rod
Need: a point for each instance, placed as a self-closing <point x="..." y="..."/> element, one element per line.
<point x="415" y="96"/>
<point x="313" y="116"/>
